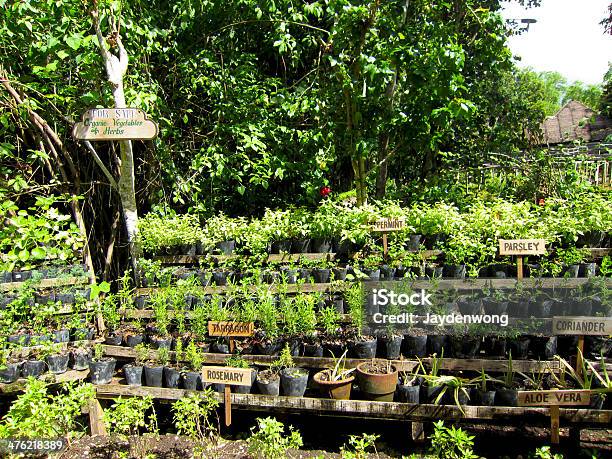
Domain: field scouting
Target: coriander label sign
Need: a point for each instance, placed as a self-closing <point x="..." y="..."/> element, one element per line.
<point x="554" y="398"/>
<point x="226" y="375"/>
<point x="591" y="326"/>
<point x="115" y="124"/>
<point x="522" y="247"/>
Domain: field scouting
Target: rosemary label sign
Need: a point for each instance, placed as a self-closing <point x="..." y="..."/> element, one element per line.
<point x="227" y="375"/>
<point x="115" y="124"/>
<point x="384" y="225"/>
<point x="590" y="326"/>
<point x="230" y="329"/>
<point x="522" y="246"/>
<point x="554" y="398"/>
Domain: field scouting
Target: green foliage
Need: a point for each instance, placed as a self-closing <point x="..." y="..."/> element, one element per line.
<point x="358" y="446"/>
<point x="192" y="415"/>
<point x="267" y="440"/>
<point x="131" y="416"/>
<point x="38" y="414"/>
<point x="451" y="442"/>
<point x="544" y="452"/>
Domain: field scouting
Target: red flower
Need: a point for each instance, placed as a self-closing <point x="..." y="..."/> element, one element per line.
<point x="324" y="191"/>
<point x="541" y="201"/>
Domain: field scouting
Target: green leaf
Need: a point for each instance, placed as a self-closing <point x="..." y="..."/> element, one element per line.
<point x="74" y="41"/>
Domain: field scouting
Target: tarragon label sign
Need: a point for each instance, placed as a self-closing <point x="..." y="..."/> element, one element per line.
<point x="227" y="375"/>
<point x="591" y="326"/>
<point x="385" y="225"/>
<point x="522" y="247"/>
<point x="115" y="124"/>
<point x="554" y="397"/>
<point x="217" y="328"/>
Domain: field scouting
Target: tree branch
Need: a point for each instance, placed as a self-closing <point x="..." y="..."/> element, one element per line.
<point x="101" y="165"/>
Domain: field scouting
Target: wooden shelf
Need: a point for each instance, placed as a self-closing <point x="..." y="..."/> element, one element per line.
<point x="324" y="362"/>
<point x="366" y="409"/>
<point x="46" y="283"/>
<point x="20" y="384"/>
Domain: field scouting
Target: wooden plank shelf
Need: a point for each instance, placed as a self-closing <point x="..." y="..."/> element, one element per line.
<point x="24" y="351"/>
<point x="46" y="283"/>
<point x="324" y="362"/>
<point x="50" y="378"/>
<point x="439" y="284"/>
<point x="367" y="409"/>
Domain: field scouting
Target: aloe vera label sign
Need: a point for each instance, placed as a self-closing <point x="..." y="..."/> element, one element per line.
<point x="227" y="375"/>
<point x="554" y="397"/>
<point x="591" y="326"/>
<point x="115" y="124"/>
<point x="522" y="246"/>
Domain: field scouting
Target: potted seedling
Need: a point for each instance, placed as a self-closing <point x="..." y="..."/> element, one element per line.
<point x="133" y="372"/>
<point x="101" y="369"/>
<point x="192" y="375"/>
<point x="370" y="266"/>
<point x="390" y="344"/>
<point x="268" y="316"/>
<point x="293" y="379"/>
<point x="171" y="373"/>
<point x="154" y="368"/>
<point x="336" y="382"/>
<point x="81" y="356"/>
<point x="268" y="381"/>
<point x="453" y="390"/>
<point x="482" y="393"/>
<point x="321" y="271"/>
<point x="237" y="361"/>
<point x="361" y="346"/>
<point x="409" y="386"/>
<point x="9" y="367"/>
<point x="112" y="320"/>
<point x="507" y="394"/>
<point x="329" y="320"/>
<point x="34" y="365"/>
<point x="56" y="358"/>
<point x="377" y="380"/>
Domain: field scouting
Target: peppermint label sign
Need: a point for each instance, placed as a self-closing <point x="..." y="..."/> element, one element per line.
<point x="115" y="124"/>
<point x="385" y="225"/>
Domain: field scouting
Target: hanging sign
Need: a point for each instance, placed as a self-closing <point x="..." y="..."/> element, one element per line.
<point x="115" y="124"/>
<point x="522" y="247"/>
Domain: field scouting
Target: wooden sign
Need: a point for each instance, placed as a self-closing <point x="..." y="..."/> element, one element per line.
<point x="227" y="375"/>
<point x="216" y="328"/>
<point x="554" y="398"/>
<point x="115" y="124"/>
<point x="591" y="326"/>
<point x="522" y="247"/>
<point x="385" y="225"/>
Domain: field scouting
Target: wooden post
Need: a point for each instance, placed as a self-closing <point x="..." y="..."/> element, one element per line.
<point x="519" y="267"/>
<point x="417" y="432"/>
<point x="96" y="418"/>
<point x="227" y="400"/>
<point x="385" y="246"/>
<point x="232" y="345"/>
<point x="554" y="424"/>
<point x="580" y="355"/>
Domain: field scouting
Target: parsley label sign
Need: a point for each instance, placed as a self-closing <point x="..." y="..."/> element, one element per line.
<point x="115" y="124"/>
<point x="522" y="247"/>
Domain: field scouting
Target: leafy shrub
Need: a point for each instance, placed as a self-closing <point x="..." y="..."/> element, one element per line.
<point x="451" y="443"/>
<point x="358" y="446"/>
<point x="268" y="442"/>
<point x="192" y="415"/>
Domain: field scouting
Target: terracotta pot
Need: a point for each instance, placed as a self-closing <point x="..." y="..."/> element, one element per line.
<point x="377" y="387"/>
<point x="338" y="390"/>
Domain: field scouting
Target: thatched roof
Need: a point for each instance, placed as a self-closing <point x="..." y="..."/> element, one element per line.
<point x="575" y="121"/>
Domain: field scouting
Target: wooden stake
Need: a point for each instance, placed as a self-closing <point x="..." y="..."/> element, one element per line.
<point x="519" y="266"/>
<point x="385" y="245"/>
<point x="554" y="424"/>
<point x="232" y="345"/>
<point x="228" y="405"/>
<point x="418" y="431"/>
<point x="96" y="418"/>
<point x="580" y="355"/>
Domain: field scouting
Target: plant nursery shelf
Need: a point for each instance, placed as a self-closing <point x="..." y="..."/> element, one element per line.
<point x="19" y="385"/>
<point x="323" y="362"/>
<point x="366" y="409"/>
<point x="24" y="351"/>
<point x="46" y="283"/>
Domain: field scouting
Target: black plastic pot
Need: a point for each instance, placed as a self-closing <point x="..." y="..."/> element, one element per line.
<point x="494" y="346"/>
<point x="21" y="276"/>
<point x="161" y="343"/>
<point x="449" y="397"/>
<point x="171" y="377"/>
<point x="58" y="363"/>
<point x="23" y="339"/>
<point x="414" y="346"/>
<point x="408" y="394"/>
<point x="468" y="306"/>
<point x="281" y="246"/>
<point x="338" y="303"/>
<point x="300" y="245"/>
<point x="153" y="376"/>
<point x="246" y="389"/>
<point x="204" y="277"/>
<point x="44" y="298"/>
<point x="192" y="380"/>
<point x="65" y="298"/>
<point x="321" y="276"/>
<point x="133" y="374"/>
<point x="294" y="381"/>
<point x="339" y="273"/>
<point x="373" y="274"/>
<point x="313" y="350"/>
<point x="597" y="401"/>
<point x="588" y="270"/>
<point x="571" y="271"/>
<point x="435" y="344"/>
<point x="387" y="272"/>
<point x="465" y="347"/>
<point x="61" y="336"/>
<point x="492" y="306"/>
<point x="540" y="308"/>
<point x="434" y="271"/>
<point x="5" y="277"/>
<point x="219" y="348"/>
<point x="85" y="334"/>
<point x="226" y="247"/>
<point x="544" y="347"/>
<point x="389" y="347"/>
<point x="10" y="373"/>
<point x="335" y="349"/>
<point x="455" y="271"/>
<point x="114" y="339"/>
<point x="370" y="307"/>
<point x="365" y="349"/>
<point x="506" y="397"/>
<point x="289" y="276"/>
<point x="414" y="241"/>
<point x="33" y="368"/>
<point x="304" y="274"/>
<point x="81" y="359"/>
<point x="429" y="393"/>
<point x="271" y="387"/>
<point x="481" y="398"/>
<point x="596" y="346"/>
<point x="134" y="340"/>
<point x="101" y="372"/>
<point x="581" y="308"/>
<point x="321" y="245"/>
<point x="518" y="307"/>
<point x="519" y="347"/>
<point x="592" y="239"/>
<point x="272" y="348"/>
